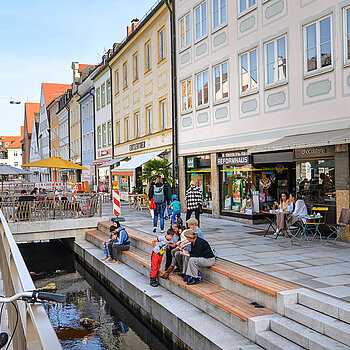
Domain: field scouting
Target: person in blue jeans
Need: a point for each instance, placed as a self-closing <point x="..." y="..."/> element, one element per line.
<point x="176" y="207"/>
<point x="161" y="200"/>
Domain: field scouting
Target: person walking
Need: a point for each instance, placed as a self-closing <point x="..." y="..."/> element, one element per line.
<point x="169" y="192"/>
<point x="161" y="200"/>
<point x="194" y="201"/>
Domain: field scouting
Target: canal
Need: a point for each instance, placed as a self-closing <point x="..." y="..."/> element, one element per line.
<point x="107" y="323"/>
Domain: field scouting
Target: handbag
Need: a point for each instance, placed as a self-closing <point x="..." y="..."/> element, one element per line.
<point x="200" y="208"/>
<point x="152" y="205"/>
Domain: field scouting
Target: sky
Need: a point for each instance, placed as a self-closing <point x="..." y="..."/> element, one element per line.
<point x="39" y="40"/>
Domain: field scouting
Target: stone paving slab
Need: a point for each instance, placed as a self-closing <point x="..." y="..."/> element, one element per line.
<point x="316" y="266"/>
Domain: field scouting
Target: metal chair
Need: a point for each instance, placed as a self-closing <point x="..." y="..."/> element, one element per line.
<point x="340" y="229"/>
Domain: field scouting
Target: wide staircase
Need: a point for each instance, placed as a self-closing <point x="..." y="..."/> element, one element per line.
<point x="274" y="314"/>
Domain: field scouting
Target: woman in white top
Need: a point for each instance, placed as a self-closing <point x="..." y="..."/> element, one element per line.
<point x="297" y="206"/>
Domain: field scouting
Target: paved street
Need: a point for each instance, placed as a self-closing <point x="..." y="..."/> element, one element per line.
<point x="325" y="268"/>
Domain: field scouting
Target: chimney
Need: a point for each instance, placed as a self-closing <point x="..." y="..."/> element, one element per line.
<point x="134" y="25"/>
<point x="76" y="75"/>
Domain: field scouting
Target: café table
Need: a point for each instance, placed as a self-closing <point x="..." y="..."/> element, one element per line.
<point x="304" y="228"/>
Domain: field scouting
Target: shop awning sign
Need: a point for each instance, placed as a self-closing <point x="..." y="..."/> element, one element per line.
<point x="236" y="160"/>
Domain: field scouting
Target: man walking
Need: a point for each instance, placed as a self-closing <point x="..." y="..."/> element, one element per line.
<point x="194" y="201"/>
<point x="169" y="192"/>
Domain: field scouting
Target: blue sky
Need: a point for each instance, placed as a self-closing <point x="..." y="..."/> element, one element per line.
<point x="39" y="40"/>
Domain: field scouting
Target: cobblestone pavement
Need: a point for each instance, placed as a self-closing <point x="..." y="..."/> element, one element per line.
<point x="325" y="268"/>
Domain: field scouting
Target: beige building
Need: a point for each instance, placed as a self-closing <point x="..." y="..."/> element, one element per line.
<point x="252" y="72"/>
<point x="141" y="95"/>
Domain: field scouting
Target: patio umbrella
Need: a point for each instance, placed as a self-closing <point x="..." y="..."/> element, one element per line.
<point x="10" y="170"/>
<point x="55" y="163"/>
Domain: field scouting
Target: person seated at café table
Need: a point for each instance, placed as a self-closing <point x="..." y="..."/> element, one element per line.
<point x="297" y="207"/>
<point x="283" y="203"/>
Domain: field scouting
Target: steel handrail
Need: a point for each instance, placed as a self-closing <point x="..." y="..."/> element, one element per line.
<point x="34" y="329"/>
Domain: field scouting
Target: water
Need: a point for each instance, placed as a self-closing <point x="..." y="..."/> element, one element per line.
<point x="115" y="326"/>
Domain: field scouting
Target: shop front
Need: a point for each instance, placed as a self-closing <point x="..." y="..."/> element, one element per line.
<point x="102" y="174"/>
<point x="198" y="168"/>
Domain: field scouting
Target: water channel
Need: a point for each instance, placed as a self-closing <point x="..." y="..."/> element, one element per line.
<point x="116" y="327"/>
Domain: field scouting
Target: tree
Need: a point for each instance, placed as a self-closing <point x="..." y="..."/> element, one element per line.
<point x="156" y="167"/>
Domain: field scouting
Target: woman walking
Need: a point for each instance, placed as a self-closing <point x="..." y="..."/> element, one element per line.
<point x="194" y="201"/>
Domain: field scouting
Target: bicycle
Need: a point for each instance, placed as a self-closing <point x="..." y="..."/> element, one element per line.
<point x="28" y="297"/>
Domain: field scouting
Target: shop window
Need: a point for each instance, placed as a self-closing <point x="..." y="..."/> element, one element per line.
<point x="219" y="13"/>
<point x="318" y="45"/>
<point x="316" y="182"/>
<point x="185" y="32"/>
<point x="246" y="5"/>
<point x="202" y="88"/>
<point x="186" y="94"/>
<point x="276" y="61"/>
<point x="249" y="71"/>
<point x="201" y="20"/>
<point x="221" y="81"/>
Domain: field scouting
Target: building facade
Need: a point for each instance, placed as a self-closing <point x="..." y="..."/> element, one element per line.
<point x="11" y="150"/>
<point x="141" y="94"/>
<point x="255" y="72"/>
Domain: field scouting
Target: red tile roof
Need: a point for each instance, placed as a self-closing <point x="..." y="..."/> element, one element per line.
<point x="30" y="109"/>
<point x="16" y="142"/>
<point x="83" y="66"/>
<point x="11" y="141"/>
<point x="51" y="91"/>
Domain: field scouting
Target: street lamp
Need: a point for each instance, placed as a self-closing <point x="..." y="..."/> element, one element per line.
<point x="15" y="102"/>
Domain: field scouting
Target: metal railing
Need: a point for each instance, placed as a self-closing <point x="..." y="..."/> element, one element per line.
<point x="34" y="330"/>
<point x="28" y="208"/>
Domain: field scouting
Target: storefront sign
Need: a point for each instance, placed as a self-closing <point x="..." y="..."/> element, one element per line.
<point x="136" y="146"/>
<point x="236" y="160"/>
<point x="314" y="152"/>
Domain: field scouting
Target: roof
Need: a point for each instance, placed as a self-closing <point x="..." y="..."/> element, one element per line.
<point x="83" y="66"/>
<point x="30" y="109"/>
<point x="324" y="138"/>
<point x="11" y="141"/>
<point x="51" y="91"/>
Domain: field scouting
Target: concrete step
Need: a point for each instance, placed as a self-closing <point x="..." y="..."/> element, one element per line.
<point x="303" y="336"/>
<point x="241" y="280"/>
<point x="180" y="318"/>
<point x="272" y="341"/>
<point x="319" y="322"/>
<point x="333" y="307"/>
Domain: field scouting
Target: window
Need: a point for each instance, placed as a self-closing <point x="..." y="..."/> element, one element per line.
<point x="77" y="114"/>
<point x="108" y="91"/>
<point x="104" y="135"/>
<point x="103" y="95"/>
<point x="148" y="57"/>
<point x="221" y="81"/>
<point x="98" y="94"/>
<point x="137" y="125"/>
<point x="347" y="33"/>
<point x="149" y="120"/>
<point x="109" y="127"/>
<point x="87" y="142"/>
<point x="246" y="4"/>
<point x="318" y="44"/>
<point x="202" y="88"/>
<point x="84" y="144"/>
<point x="161" y="43"/>
<point x="92" y="141"/>
<point x="118" y="131"/>
<point x="185" y="32"/>
<point x="87" y="110"/>
<point x="136" y="66"/>
<point x="219" y="13"/>
<point x="186" y="94"/>
<point x="163" y="115"/>
<point x="249" y="71"/>
<point x="83" y="113"/>
<point x="201" y="20"/>
<point x="125" y="75"/>
<point x="126" y="129"/>
<point x="117" y="82"/>
<point x="276" y="61"/>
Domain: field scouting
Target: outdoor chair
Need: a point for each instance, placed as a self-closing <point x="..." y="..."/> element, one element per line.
<point x="143" y="202"/>
<point x="339" y="229"/>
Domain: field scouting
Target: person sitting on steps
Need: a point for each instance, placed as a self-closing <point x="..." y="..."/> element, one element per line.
<point x="120" y="242"/>
<point x="193" y="225"/>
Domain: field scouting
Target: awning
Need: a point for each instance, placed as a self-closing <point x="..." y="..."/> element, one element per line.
<point x="135" y="162"/>
<point x="100" y="162"/>
<point x="325" y="138"/>
<point x="114" y="161"/>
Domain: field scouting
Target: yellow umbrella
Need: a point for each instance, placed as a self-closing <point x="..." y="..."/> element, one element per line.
<point x="55" y="162"/>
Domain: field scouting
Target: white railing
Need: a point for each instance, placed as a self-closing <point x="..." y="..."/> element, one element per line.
<point x="34" y="330"/>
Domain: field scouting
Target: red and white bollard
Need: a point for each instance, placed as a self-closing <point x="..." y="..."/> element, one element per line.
<point x="74" y="191"/>
<point x="116" y="202"/>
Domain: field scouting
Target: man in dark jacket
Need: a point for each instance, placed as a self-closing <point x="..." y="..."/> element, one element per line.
<point x="161" y="199"/>
<point x="169" y="192"/>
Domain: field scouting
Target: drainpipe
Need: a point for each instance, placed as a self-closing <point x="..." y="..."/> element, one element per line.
<point x="112" y="130"/>
<point x="175" y="167"/>
<point x="92" y="93"/>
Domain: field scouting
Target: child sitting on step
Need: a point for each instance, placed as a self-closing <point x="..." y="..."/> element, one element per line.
<point x="160" y="245"/>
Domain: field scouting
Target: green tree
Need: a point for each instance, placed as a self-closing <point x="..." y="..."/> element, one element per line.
<point x="156" y="167"/>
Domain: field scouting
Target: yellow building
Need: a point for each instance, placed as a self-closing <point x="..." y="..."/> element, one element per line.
<point x="141" y="94"/>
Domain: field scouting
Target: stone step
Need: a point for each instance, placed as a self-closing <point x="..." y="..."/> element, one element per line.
<point x="193" y="327"/>
<point x="304" y="336"/>
<point x="273" y="341"/>
<point x="319" y="322"/>
<point x="241" y="280"/>
<point x="231" y="309"/>
<point x="333" y="307"/>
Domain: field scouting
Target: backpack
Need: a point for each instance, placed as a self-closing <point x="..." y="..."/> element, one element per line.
<point x="158" y="194"/>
